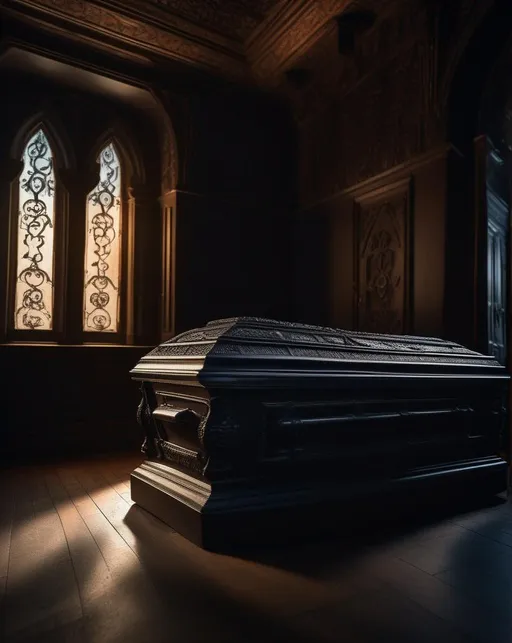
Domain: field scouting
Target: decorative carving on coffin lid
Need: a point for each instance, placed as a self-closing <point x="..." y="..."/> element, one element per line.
<point x="382" y="279"/>
<point x="247" y="336"/>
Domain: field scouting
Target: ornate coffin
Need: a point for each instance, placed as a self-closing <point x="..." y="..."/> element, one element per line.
<point x="255" y="428"/>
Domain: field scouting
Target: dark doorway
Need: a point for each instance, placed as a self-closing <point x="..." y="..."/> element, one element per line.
<point x="498" y="226"/>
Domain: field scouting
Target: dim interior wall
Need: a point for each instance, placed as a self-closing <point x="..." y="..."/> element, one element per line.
<point x="367" y="119"/>
<point x="341" y="264"/>
<point x="461" y="252"/>
<point x="239" y="144"/>
<point x="228" y="238"/>
<point x="230" y="259"/>
<point x="429" y="234"/>
<point x="68" y="400"/>
<point x="326" y="249"/>
<point x="230" y="254"/>
<point x="310" y="266"/>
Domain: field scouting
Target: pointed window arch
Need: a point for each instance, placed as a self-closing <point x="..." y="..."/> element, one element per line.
<point x="71" y="248"/>
<point x="102" y="282"/>
<point x="34" y="290"/>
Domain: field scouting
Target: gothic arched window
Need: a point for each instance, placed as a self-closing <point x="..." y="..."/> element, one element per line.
<point x="70" y="241"/>
<point x="34" y="291"/>
<point x="102" y="283"/>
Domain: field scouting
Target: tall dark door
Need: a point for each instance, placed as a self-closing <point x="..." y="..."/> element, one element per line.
<point x="497" y="241"/>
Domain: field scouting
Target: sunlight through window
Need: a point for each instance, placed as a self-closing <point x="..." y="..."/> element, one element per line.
<point x="102" y="249"/>
<point x="36" y="213"/>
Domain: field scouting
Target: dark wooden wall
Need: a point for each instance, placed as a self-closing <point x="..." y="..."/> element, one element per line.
<point x="398" y="112"/>
<point x="67" y="401"/>
<point x="373" y="170"/>
<point x="347" y="199"/>
<point x="231" y="184"/>
<point x="234" y="209"/>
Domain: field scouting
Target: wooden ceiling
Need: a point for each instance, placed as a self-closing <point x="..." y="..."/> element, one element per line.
<point x="237" y="19"/>
<point x="248" y="40"/>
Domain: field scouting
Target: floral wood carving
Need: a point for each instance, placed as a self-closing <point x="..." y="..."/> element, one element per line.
<point x="225" y="36"/>
<point x="382" y="279"/>
<point x="169" y="161"/>
<point x="181" y="41"/>
<point x="231" y="17"/>
<point x="150" y="446"/>
<point x="339" y="150"/>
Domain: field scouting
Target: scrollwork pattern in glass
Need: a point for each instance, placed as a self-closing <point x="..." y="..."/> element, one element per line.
<point x="35" y="242"/>
<point x="102" y="249"/>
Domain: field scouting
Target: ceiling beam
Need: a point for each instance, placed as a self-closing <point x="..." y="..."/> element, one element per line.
<point x="284" y="35"/>
<point x="194" y="46"/>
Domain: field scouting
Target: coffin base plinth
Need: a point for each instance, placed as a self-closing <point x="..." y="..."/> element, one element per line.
<point x="231" y="517"/>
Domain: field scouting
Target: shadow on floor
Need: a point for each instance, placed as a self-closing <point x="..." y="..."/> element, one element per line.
<point x="377" y="581"/>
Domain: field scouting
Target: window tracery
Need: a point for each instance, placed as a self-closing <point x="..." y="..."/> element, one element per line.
<point x="34" y="292"/>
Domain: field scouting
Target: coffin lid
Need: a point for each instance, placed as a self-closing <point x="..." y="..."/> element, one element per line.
<point x="252" y="347"/>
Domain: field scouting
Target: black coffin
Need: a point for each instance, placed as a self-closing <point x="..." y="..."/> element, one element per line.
<point x="255" y="427"/>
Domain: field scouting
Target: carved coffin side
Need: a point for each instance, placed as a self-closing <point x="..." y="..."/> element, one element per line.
<point x="211" y="438"/>
<point x="216" y="399"/>
<point x="173" y="426"/>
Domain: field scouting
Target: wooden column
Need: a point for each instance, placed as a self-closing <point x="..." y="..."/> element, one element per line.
<point x="142" y="266"/>
<point x="78" y="184"/>
<point x="9" y="171"/>
<point x="168" y="207"/>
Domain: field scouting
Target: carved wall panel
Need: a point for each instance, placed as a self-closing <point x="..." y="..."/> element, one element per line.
<point x="363" y="114"/>
<point x="364" y="133"/>
<point x="382" y="260"/>
<point x="332" y="75"/>
<point x="231" y="17"/>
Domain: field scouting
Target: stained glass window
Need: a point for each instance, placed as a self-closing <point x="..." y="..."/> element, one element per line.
<point x="34" y="261"/>
<point x="102" y="247"/>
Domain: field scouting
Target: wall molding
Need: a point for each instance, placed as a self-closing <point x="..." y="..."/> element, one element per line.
<point x="384" y="179"/>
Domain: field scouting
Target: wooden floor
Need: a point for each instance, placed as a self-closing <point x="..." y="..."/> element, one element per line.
<point x="79" y="562"/>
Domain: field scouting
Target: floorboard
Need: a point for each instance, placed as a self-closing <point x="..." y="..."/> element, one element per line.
<point x="80" y="563"/>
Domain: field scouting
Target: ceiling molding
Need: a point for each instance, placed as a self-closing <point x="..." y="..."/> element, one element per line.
<point x="188" y="46"/>
<point x="288" y="30"/>
<point x="283" y="38"/>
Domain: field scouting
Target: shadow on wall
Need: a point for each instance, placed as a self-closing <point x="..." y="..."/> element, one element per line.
<point x="67" y="401"/>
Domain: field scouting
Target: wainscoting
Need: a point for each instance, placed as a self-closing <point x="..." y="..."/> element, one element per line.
<point x="67" y="401"/>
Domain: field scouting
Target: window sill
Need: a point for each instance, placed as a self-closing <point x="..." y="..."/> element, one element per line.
<point x="85" y="345"/>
